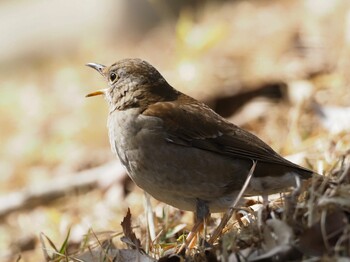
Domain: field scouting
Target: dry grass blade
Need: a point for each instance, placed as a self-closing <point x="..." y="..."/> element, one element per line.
<point x="229" y="213"/>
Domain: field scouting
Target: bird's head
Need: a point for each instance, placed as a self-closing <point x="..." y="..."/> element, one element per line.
<point x="133" y="83"/>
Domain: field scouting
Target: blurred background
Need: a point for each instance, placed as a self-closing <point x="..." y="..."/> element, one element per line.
<point x="277" y="68"/>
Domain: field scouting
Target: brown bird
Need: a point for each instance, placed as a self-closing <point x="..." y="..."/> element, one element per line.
<point x="179" y="150"/>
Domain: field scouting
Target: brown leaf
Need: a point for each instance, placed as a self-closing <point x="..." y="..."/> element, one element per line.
<point x="277" y="244"/>
<point x="129" y="236"/>
<point x="314" y="242"/>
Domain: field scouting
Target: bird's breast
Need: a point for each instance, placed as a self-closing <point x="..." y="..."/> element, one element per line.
<point x="133" y="137"/>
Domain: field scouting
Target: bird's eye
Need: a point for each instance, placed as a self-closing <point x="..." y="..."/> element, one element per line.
<point x="112" y="77"/>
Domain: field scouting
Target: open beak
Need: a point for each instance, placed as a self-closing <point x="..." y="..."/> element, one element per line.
<point x="99" y="68"/>
<point x="96" y="93"/>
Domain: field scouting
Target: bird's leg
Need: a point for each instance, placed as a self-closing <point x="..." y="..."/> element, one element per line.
<point x="264" y="211"/>
<point x="265" y="199"/>
<point x="202" y="214"/>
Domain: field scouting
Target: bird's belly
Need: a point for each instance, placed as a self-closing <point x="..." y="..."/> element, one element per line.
<point x="176" y="174"/>
<point x="179" y="176"/>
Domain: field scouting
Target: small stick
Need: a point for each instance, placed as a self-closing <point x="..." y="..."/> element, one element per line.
<point x="230" y="211"/>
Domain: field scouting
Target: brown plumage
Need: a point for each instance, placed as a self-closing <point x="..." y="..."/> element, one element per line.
<point x="178" y="149"/>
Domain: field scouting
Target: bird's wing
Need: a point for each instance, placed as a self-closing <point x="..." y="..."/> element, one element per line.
<point x="192" y="123"/>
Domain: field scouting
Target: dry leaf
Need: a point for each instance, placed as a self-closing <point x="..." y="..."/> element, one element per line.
<point x="314" y="243"/>
<point x="129" y="236"/>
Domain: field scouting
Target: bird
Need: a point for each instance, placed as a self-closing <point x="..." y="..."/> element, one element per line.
<point x="179" y="150"/>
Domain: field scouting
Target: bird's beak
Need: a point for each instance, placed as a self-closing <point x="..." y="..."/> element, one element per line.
<point x="97" y="93"/>
<point x="99" y="68"/>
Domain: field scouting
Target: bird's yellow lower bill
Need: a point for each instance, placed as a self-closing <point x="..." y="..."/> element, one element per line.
<point x="97" y="93"/>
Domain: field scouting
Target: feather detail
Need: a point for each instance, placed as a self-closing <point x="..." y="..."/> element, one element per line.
<point x="189" y="122"/>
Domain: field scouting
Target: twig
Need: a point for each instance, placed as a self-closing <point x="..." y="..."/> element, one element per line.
<point x="230" y="211"/>
<point x="87" y="180"/>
